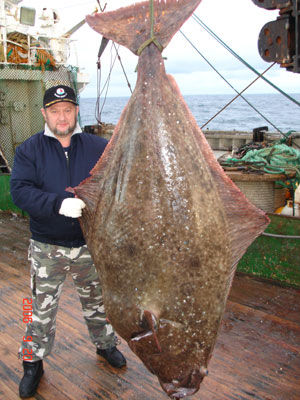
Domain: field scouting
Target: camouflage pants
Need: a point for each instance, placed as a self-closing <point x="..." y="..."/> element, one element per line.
<point x="49" y="267"/>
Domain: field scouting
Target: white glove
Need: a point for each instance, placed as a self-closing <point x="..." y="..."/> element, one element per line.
<point x="297" y="195"/>
<point x="71" y="207"/>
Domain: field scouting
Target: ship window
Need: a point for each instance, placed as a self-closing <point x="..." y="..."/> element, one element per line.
<point x="27" y="16"/>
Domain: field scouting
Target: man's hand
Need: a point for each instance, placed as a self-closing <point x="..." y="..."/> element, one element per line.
<point x="71" y="207"/>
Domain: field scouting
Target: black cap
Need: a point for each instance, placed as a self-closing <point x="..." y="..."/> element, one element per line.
<point x="59" y="93"/>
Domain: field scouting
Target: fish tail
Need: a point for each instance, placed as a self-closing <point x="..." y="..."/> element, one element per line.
<point x="138" y="24"/>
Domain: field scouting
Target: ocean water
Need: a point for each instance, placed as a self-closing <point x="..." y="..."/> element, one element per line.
<point x="281" y="113"/>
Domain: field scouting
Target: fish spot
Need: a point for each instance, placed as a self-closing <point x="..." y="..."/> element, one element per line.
<point x="187" y="289"/>
<point x="195" y="263"/>
<point x="131" y="250"/>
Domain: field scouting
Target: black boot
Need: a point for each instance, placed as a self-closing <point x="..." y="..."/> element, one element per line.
<point x="113" y="356"/>
<point x="33" y="372"/>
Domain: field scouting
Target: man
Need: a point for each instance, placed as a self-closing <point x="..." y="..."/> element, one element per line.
<point x="44" y="166"/>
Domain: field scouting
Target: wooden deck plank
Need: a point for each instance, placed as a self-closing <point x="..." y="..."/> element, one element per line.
<point x="265" y="297"/>
<point x="256" y="354"/>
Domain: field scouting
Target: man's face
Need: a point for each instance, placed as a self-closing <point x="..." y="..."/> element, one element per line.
<point x="61" y="118"/>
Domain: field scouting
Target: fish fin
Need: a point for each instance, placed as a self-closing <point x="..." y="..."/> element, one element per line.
<point x="149" y="324"/>
<point x="130" y="26"/>
<point x="245" y="221"/>
<point x="188" y="386"/>
<point x="150" y="318"/>
<point x="86" y="191"/>
<point x="89" y="190"/>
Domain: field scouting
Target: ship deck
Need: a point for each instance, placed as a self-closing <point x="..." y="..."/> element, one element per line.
<point x="256" y="356"/>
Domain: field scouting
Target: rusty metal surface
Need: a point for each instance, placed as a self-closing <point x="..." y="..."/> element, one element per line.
<point x="274" y="41"/>
<point x="279" y="40"/>
<point x="272" y="4"/>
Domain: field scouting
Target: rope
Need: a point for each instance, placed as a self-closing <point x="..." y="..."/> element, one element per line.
<point x="151" y="17"/>
<point x="105" y="87"/>
<point x="280" y="236"/>
<point x="231" y="101"/>
<point x="202" y="24"/>
<point x="102" y="9"/>
<point x="123" y="69"/>
<point x="244" y="98"/>
<point x="152" y="38"/>
<point x="99" y="107"/>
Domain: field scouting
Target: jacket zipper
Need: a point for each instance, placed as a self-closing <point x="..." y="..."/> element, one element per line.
<point x="68" y="168"/>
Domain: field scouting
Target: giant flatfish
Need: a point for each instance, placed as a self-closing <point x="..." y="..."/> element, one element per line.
<point x="164" y="224"/>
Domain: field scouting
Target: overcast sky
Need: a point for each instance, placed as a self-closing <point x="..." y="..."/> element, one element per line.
<point x="236" y="22"/>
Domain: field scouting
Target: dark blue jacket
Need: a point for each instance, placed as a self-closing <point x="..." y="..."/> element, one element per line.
<point x="40" y="175"/>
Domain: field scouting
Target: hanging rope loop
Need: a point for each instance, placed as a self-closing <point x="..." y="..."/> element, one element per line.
<point x="149" y="41"/>
<point x="152" y="38"/>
